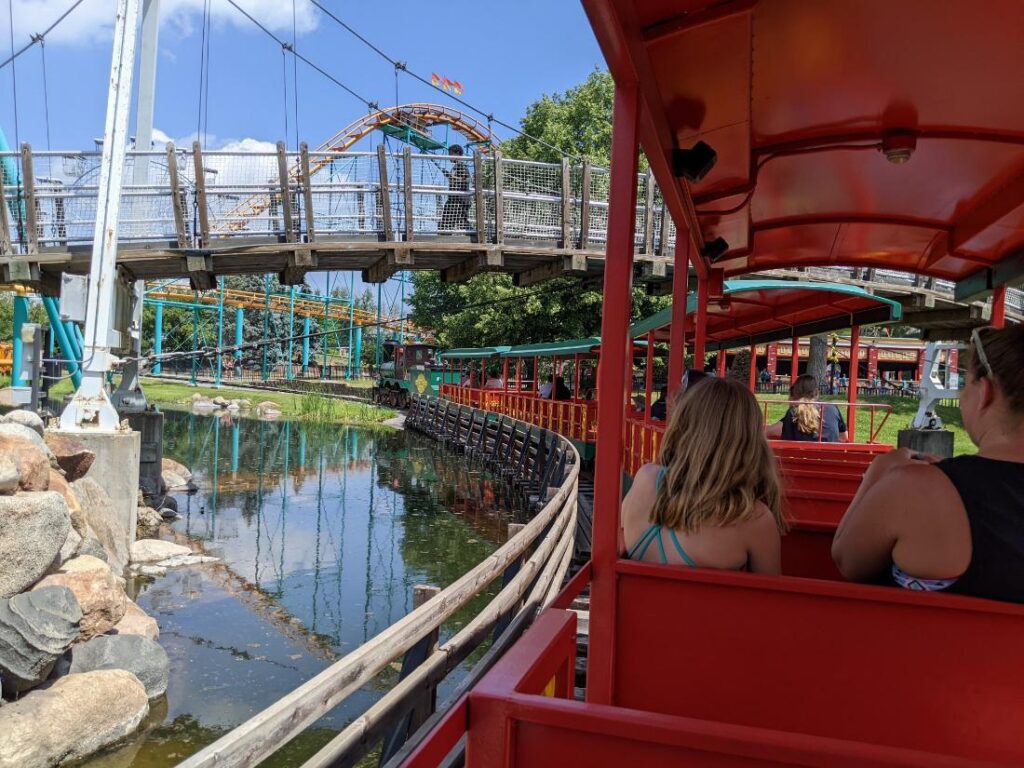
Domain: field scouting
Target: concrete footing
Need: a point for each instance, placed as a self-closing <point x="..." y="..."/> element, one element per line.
<point x="937" y="442"/>
<point x="116" y="468"/>
<point x="150" y="425"/>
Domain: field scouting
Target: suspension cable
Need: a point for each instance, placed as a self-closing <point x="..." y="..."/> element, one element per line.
<point x="17" y="137"/>
<point x="36" y="38"/>
<point x="46" y="90"/>
<point x="202" y="70"/>
<point x="295" y="72"/>
<point x="284" y="90"/>
<point x="427" y="82"/>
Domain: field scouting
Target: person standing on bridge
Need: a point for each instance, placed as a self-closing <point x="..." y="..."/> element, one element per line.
<point x="455" y="214"/>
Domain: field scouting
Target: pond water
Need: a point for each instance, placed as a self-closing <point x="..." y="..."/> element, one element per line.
<point x="322" y="532"/>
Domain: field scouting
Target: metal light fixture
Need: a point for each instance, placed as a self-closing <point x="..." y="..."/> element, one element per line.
<point x="695" y="163"/>
<point x="715" y="249"/>
<point x="898" y="146"/>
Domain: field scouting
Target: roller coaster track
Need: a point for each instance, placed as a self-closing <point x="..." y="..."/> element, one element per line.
<point x="414" y="119"/>
<point x="302" y="306"/>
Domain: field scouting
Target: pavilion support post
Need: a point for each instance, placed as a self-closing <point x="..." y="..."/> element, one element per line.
<point x="998" y="318"/>
<point x="612" y="375"/>
<point x="794" y="359"/>
<point x="753" y="369"/>
<point x="700" y="330"/>
<point x="649" y="382"/>
<point x="677" y="330"/>
<point x="720" y="368"/>
<point x="851" y="411"/>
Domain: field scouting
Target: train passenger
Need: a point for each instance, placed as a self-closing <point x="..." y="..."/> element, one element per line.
<point x="957" y="524"/>
<point x="560" y="391"/>
<point x="659" y="411"/>
<point x="714" y="500"/>
<point x="547" y="387"/>
<point x="494" y="381"/>
<point x="803" y="420"/>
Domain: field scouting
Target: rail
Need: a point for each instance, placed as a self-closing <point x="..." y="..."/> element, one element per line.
<point x="573" y="419"/>
<point x="219" y="200"/>
<point x="532" y="565"/>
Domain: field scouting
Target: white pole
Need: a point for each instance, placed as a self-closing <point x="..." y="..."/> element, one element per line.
<point x="129" y="395"/>
<point x="91" y="408"/>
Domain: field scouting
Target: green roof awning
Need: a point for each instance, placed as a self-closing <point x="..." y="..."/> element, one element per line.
<point x="554" y="348"/>
<point x="472" y="353"/>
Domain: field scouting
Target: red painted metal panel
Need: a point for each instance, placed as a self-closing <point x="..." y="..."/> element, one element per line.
<point x="886" y="666"/>
<point x="441" y="739"/>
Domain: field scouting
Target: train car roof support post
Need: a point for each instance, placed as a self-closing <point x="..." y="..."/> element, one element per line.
<point x="616" y="357"/>
<point x="678" y="329"/>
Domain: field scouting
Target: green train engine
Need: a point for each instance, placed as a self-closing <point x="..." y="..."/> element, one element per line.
<point x="408" y="369"/>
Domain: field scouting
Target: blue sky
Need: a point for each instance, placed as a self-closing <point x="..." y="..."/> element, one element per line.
<point x="505" y="53"/>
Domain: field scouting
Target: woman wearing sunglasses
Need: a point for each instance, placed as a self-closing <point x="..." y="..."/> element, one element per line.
<point x="955" y="525"/>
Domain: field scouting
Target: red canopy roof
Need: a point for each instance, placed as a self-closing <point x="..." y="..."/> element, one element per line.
<point x="799" y="99"/>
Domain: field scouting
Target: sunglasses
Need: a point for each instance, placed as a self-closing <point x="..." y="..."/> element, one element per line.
<point x="980" y="349"/>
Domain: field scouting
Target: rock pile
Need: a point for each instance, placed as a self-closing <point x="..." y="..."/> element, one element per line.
<point x="35" y="629"/>
<point x="205" y="405"/>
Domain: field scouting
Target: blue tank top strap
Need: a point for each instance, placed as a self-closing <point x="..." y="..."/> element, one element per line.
<point x="640" y="548"/>
<point x="682" y="552"/>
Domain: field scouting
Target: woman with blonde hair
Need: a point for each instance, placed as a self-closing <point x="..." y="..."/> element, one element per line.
<point x="714" y="500"/>
<point x="804" y="420"/>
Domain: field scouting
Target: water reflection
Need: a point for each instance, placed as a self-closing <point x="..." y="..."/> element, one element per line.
<point x="323" y="531"/>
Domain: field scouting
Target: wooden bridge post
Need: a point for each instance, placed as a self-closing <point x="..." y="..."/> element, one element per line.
<point x="649" y="213"/>
<point x="28" y="181"/>
<point x="407" y="192"/>
<point x="566" y="203"/>
<point x="204" y="213"/>
<point x="426" y="703"/>
<point x="499" y="200"/>
<point x="585" y="206"/>
<point x="307" y="192"/>
<point x="478" y="196"/>
<point x="177" y="198"/>
<point x="286" y="194"/>
<point x="5" y="230"/>
<point x="384" y="193"/>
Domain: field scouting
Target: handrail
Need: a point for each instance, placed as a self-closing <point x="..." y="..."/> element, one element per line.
<point x="872" y="407"/>
<point x="269" y="730"/>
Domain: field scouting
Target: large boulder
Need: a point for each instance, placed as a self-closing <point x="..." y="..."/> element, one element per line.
<point x="148" y="525"/>
<point x="35" y="629"/>
<point x="11" y="429"/>
<point x="99" y="592"/>
<point x="91" y="546"/>
<point x="155" y="550"/>
<point x="173" y="481"/>
<point x="70" y="548"/>
<point x="31" y="460"/>
<point x="76" y="716"/>
<point x="33" y="528"/>
<point x="137" y="622"/>
<point x="102" y="517"/>
<point x="73" y="457"/>
<point x="139" y="655"/>
<point x="26" y="419"/>
<point x="10" y="475"/>
<point x="60" y="484"/>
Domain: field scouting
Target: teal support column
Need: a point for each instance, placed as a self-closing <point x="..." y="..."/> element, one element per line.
<point x="67" y="349"/>
<point x="195" y="345"/>
<point x="235" y="431"/>
<point x="20" y="318"/>
<point x="220" y="333"/>
<point x="266" y="324"/>
<point x="216" y="477"/>
<point x="306" y="325"/>
<point x="351" y="320"/>
<point x="379" y="338"/>
<point x="359" y="349"/>
<point x="327" y="319"/>
<point x="158" y="336"/>
<point x="291" y="332"/>
<point x="76" y="332"/>
<point x="401" y="308"/>
<point x="239" y="335"/>
<point x="71" y="331"/>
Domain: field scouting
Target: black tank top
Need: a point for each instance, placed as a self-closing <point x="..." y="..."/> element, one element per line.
<point x="992" y="492"/>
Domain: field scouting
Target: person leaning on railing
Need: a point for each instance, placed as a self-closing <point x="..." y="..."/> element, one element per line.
<point x="714" y="500"/>
<point x="955" y="525"/>
<point x="804" y="419"/>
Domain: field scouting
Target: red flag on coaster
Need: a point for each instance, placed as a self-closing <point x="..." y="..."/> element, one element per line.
<point x="446" y="84"/>
<point x="435" y="79"/>
<point x="457" y="88"/>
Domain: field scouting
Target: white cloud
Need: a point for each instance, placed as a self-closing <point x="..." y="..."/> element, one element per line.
<point x="93" y="20"/>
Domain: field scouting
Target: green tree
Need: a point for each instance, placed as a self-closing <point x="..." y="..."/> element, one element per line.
<point x="577" y="122"/>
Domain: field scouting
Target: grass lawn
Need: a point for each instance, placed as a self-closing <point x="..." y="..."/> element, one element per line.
<point x="307" y="407"/>
<point x="902" y="411"/>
